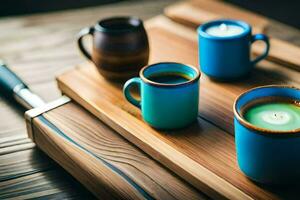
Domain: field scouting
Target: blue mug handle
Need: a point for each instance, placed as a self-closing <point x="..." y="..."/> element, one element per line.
<point x="127" y="94"/>
<point x="265" y="39"/>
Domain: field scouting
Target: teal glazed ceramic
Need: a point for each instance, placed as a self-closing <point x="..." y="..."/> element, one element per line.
<point x="163" y="105"/>
<point x="228" y="58"/>
<point x="267" y="156"/>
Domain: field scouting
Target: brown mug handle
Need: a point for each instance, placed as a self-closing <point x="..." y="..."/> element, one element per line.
<point x="82" y="33"/>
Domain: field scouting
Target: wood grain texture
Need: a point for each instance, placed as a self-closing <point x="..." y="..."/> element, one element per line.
<point x="25" y="162"/>
<point x="52" y="184"/>
<point x="88" y="142"/>
<point x="37" y="47"/>
<point x="16" y="146"/>
<point x="26" y="172"/>
<point x="195" y="13"/>
<point x="264" y="73"/>
<point x="203" y="154"/>
<point x="281" y="52"/>
<point x="29" y="173"/>
<point x="113" y="187"/>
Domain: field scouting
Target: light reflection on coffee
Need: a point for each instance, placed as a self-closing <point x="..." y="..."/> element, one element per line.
<point x="273" y="113"/>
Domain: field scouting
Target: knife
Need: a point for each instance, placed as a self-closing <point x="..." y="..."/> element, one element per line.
<point x="12" y="87"/>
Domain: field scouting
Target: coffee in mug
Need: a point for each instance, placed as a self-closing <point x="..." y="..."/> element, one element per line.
<point x="169" y="78"/>
<point x="169" y="94"/>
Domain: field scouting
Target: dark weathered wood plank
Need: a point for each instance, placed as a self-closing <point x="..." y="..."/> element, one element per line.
<point x="26" y="172"/>
<point x="17" y="147"/>
<point x="25" y="162"/>
<point x="54" y="184"/>
<point x="11" y="120"/>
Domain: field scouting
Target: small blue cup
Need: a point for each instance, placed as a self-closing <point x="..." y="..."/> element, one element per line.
<point x="228" y="58"/>
<point x="164" y="105"/>
<point x="267" y="156"/>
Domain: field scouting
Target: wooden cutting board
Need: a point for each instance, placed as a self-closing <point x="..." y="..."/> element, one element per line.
<point x="104" y="162"/>
<point x="202" y="154"/>
<point x="196" y="12"/>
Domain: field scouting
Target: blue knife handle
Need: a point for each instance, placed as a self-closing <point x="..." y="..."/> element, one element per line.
<point x="9" y="81"/>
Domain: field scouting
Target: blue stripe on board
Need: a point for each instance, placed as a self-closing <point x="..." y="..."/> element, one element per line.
<point x="112" y="167"/>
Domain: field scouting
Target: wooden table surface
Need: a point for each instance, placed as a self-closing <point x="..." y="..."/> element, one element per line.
<point x="37" y="48"/>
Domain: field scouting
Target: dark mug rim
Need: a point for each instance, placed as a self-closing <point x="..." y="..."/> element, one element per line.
<point x="202" y="29"/>
<point x="267" y="132"/>
<point x="193" y="80"/>
<point x="133" y="23"/>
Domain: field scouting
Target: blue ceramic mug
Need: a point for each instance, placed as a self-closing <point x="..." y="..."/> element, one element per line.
<point x="224" y="49"/>
<point x="264" y="155"/>
<point x="169" y="94"/>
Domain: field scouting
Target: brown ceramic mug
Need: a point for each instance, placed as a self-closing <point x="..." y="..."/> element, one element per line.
<point x="120" y="46"/>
